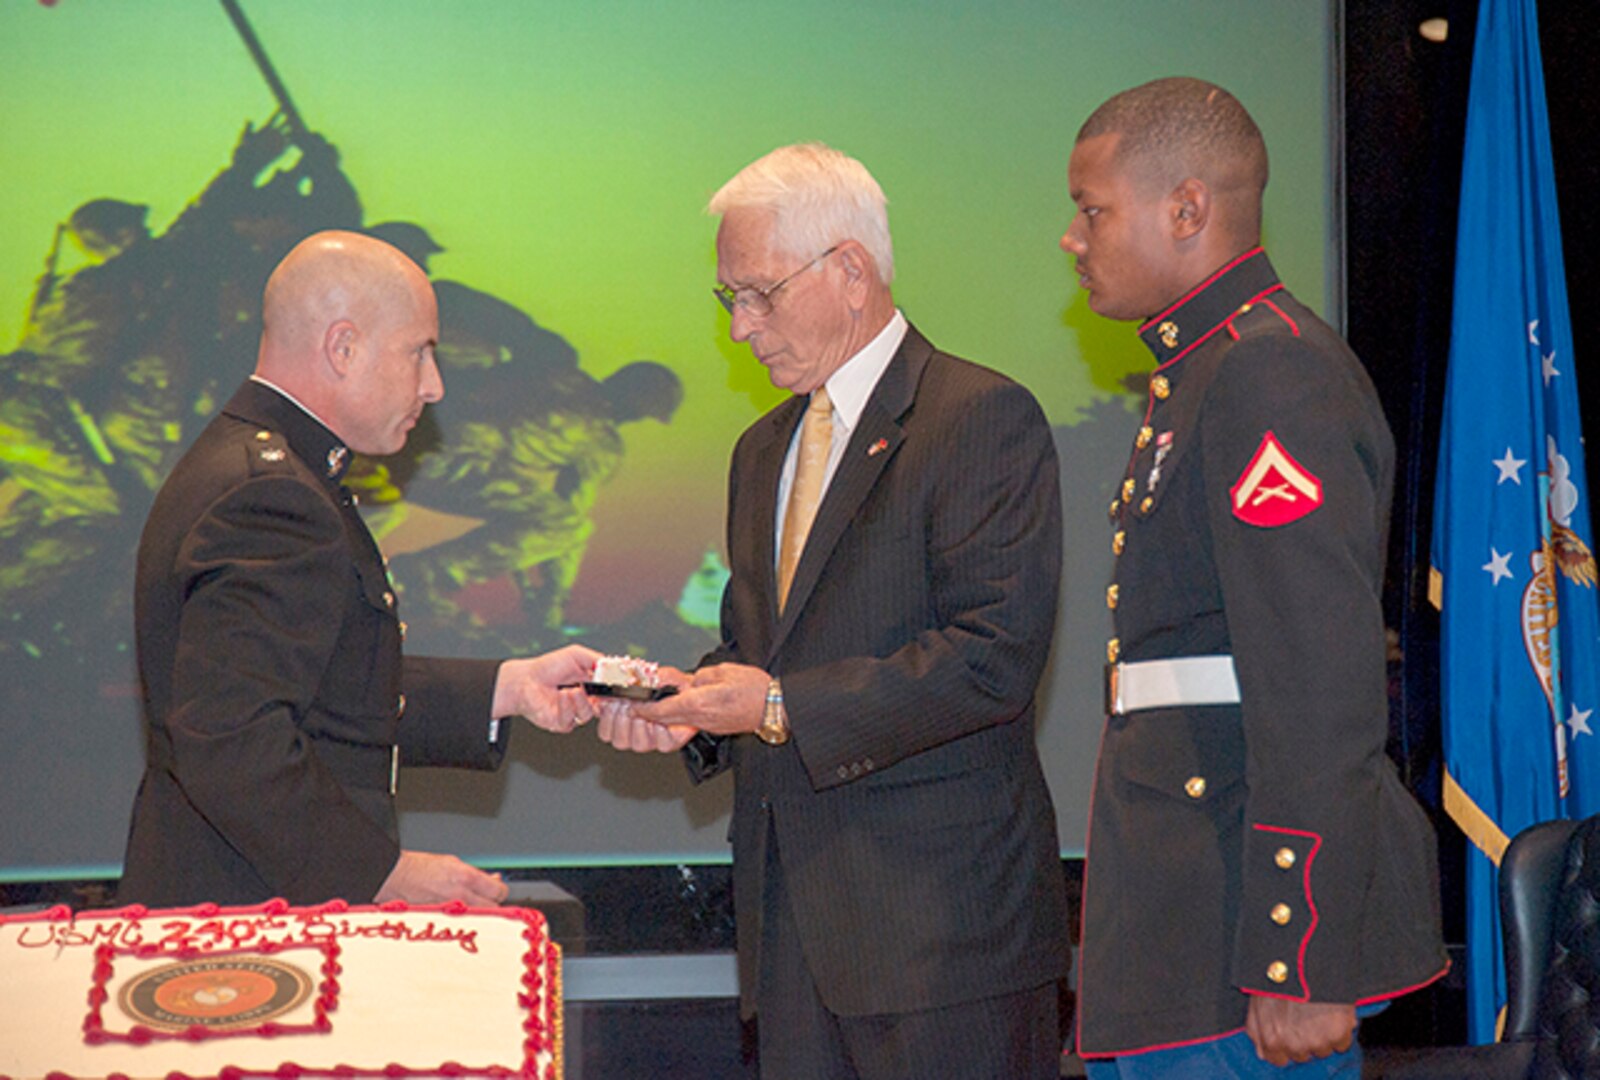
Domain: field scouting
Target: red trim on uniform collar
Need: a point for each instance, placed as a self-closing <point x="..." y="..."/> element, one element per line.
<point x="1205" y="337"/>
<point x="1200" y="288"/>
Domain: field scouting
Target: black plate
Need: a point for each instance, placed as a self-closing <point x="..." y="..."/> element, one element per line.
<point x="632" y="693"/>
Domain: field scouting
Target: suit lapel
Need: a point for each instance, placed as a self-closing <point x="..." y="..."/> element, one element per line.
<point x="872" y="446"/>
<point x="764" y="474"/>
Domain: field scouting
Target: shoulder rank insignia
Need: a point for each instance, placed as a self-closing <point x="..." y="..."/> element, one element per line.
<point x="1274" y="489"/>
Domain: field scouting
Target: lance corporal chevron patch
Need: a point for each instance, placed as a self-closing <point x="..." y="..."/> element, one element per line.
<point x="1274" y="488"/>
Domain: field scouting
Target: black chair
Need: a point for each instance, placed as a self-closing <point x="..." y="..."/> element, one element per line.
<point x="1550" y="918"/>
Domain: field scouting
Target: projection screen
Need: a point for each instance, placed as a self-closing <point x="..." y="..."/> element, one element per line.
<point x="551" y="163"/>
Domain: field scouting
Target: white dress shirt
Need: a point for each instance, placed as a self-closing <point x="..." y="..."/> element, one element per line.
<point x="848" y="389"/>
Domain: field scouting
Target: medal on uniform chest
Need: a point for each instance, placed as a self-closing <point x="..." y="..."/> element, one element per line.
<point x="1163" y="448"/>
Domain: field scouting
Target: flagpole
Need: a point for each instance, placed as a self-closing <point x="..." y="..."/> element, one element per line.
<point x="290" y="114"/>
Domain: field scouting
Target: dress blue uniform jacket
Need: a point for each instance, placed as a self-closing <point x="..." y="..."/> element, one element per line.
<point x="1267" y="847"/>
<point x="274" y="688"/>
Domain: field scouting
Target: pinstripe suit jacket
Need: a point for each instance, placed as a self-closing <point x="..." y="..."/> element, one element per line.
<point x="915" y="831"/>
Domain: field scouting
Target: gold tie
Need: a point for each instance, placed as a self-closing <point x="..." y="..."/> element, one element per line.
<point x="816" y="436"/>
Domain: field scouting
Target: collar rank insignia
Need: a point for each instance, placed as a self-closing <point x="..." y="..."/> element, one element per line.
<point x="1169" y="334"/>
<point x="336" y="460"/>
<point x="1274" y="488"/>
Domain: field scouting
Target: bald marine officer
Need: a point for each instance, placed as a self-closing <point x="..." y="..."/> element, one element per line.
<point x="278" y="707"/>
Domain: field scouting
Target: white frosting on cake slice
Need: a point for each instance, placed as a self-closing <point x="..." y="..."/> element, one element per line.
<point x="627" y="671"/>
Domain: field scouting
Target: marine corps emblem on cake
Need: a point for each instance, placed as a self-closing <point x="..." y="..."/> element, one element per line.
<point x="217" y="993"/>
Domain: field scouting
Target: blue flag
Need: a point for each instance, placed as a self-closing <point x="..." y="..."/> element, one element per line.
<point x="1513" y="569"/>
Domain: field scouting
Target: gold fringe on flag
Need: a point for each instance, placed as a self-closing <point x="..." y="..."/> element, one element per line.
<point x="1470" y="818"/>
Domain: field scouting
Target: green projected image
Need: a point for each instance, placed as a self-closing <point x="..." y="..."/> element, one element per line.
<point x="548" y="164"/>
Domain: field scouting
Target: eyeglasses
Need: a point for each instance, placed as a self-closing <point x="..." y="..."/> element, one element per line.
<point x="758" y="302"/>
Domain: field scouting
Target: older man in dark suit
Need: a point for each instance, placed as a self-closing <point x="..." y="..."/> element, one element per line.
<point x="277" y="703"/>
<point x="895" y="541"/>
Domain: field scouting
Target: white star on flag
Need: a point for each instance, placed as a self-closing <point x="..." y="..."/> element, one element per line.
<point x="1579" y="722"/>
<point x="1510" y="468"/>
<point x="1549" y="366"/>
<point x="1533" y="336"/>
<point x="1498" y="565"/>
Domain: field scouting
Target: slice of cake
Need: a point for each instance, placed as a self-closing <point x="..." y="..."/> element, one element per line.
<point x="209" y="992"/>
<point x="627" y="671"/>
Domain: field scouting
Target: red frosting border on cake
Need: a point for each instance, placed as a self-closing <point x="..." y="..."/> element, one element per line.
<point x="327" y="999"/>
<point x="541" y="1027"/>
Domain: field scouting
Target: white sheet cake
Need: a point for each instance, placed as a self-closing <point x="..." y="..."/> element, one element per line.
<point x="333" y="990"/>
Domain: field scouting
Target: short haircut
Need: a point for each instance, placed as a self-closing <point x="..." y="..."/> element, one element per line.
<point x="819" y="196"/>
<point x="1176" y="128"/>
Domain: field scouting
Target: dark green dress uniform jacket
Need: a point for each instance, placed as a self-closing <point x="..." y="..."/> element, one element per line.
<point x="914" y="829"/>
<point x="1266" y="847"/>
<point x="274" y="689"/>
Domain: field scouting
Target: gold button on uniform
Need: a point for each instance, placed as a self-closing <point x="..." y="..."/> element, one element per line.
<point x="1145" y="435"/>
<point x="1160" y="387"/>
<point x="1244" y="309"/>
<point x="1118" y="541"/>
<point x="1113" y="650"/>
<point x="263" y="436"/>
<point x="1284" y="858"/>
<point x="1195" y="786"/>
<point x="1281" y="914"/>
<point x="1112" y="593"/>
<point x="1127" y="489"/>
<point x="400" y="707"/>
<point x="1116" y="504"/>
<point x="388" y="599"/>
<point x="1278" y="971"/>
<point x="1144" y="507"/>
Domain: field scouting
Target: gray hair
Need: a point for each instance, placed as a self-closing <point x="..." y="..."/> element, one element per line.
<point x="820" y="197"/>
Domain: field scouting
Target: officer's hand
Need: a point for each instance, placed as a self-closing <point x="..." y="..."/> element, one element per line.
<point x="420" y="877"/>
<point x="1297" y="1031"/>
<point x="529" y="687"/>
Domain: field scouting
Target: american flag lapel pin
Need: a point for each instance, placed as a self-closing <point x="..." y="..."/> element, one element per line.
<point x="878" y="447"/>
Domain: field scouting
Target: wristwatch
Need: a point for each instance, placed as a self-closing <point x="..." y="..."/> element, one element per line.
<point x="774" y="729"/>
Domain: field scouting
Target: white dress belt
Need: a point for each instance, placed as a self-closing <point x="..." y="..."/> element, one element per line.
<point x="1166" y="684"/>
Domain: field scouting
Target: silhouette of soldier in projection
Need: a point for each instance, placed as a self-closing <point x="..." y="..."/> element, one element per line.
<point x="121" y="362"/>
<point x="515" y="456"/>
<point x="127" y="354"/>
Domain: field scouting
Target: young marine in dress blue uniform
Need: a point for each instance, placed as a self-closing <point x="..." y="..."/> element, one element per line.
<point x="1256" y="870"/>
